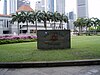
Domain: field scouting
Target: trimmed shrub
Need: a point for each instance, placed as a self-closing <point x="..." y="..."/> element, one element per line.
<point x="17" y="39"/>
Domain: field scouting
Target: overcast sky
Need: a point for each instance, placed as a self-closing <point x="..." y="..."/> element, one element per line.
<point x="93" y="5"/>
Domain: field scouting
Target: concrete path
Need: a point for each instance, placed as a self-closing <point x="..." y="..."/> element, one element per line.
<point x="70" y="70"/>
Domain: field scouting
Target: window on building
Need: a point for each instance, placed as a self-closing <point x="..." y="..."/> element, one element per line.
<point x="4" y="23"/>
<point x="31" y="31"/>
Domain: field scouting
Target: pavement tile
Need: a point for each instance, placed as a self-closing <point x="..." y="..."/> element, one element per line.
<point x="3" y="71"/>
<point x="70" y="70"/>
<point x="90" y="70"/>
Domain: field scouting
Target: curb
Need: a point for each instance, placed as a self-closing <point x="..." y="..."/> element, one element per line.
<point x="49" y="63"/>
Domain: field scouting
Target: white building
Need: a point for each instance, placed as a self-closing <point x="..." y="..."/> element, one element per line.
<point x="82" y="8"/>
<point x="5" y="26"/>
<point x="12" y="28"/>
<point x="60" y="6"/>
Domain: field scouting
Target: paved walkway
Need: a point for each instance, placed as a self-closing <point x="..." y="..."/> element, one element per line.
<point x="73" y="70"/>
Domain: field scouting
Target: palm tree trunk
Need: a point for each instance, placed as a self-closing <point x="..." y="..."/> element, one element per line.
<point x="89" y="32"/>
<point x="45" y="25"/>
<point x="68" y="25"/>
<point x="86" y="31"/>
<point x="36" y="26"/>
<point x="79" y="30"/>
<point x="54" y="25"/>
<point x="60" y="25"/>
<point x="27" y="25"/>
<point x="18" y="28"/>
<point x="95" y="31"/>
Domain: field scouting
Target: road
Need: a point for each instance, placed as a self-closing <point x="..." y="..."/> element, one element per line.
<point x="70" y="70"/>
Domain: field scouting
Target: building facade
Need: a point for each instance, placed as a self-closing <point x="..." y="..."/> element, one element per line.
<point x="71" y="15"/>
<point x="60" y="6"/>
<point x="41" y="5"/>
<point x="38" y="6"/>
<point x="82" y="8"/>
<point x="12" y="6"/>
<point x="5" y="26"/>
<point x="15" y="4"/>
<point x="5" y="7"/>
<point x="50" y="5"/>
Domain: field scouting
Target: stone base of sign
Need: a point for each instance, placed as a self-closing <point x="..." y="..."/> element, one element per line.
<point x="53" y="39"/>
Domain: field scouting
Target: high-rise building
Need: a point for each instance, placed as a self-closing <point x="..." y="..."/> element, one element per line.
<point x="71" y="15"/>
<point x="82" y="8"/>
<point x="5" y="7"/>
<point x="50" y="5"/>
<point x="60" y="6"/>
<point x="15" y="4"/>
<point x="41" y="5"/>
<point x="45" y="5"/>
<point x="38" y="6"/>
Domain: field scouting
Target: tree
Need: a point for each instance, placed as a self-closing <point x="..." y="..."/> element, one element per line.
<point x="26" y="17"/>
<point x="95" y="22"/>
<point x="80" y="22"/>
<point x="55" y="18"/>
<point x="49" y="16"/>
<point x="44" y="17"/>
<point x="37" y="18"/>
<point x="34" y="17"/>
<point x="17" y="18"/>
<point x="88" y="23"/>
<point x="63" y="18"/>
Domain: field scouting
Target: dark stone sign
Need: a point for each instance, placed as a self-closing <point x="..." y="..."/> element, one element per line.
<point x="53" y="39"/>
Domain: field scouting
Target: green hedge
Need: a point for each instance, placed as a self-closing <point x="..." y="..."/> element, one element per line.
<point x="16" y="41"/>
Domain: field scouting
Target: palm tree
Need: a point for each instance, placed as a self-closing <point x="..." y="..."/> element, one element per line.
<point x="35" y="17"/>
<point x="88" y="23"/>
<point x="95" y="22"/>
<point x="63" y="18"/>
<point x="26" y="17"/>
<point x="49" y="15"/>
<point x="55" y="18"/>
<point x="17" y="18"/>
<point x="80" y="22"/>
<point x="44" y="17"/>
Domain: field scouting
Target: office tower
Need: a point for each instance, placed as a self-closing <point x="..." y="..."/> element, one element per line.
<point x="82" y="8"/>
<point x="43" y="5"/>
<point x="60" y="6"/>
<point x="5" y="7"/>
<point x="15" y="4"/>
<point x="38" y="6"/>
<point x="50" y="5"/>
<point x="71" y="15"/>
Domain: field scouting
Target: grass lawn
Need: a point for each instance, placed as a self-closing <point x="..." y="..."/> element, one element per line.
<point x="82" y="47"/>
